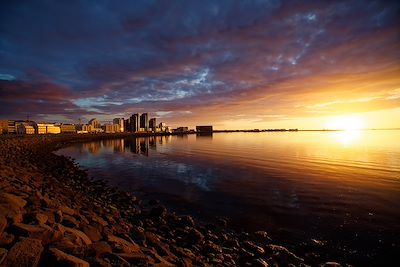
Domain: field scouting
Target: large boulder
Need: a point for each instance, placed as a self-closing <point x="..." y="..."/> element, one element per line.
<point x="25" y="253"/>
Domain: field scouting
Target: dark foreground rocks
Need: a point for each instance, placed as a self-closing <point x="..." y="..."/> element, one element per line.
<point x="51" y="214"/>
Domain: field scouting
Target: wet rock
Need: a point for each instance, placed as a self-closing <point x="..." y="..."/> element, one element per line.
<point x="121" y="245"/>
<point x="92" y="232"/>
<point x="25" y="253"/>
<point x="60" y="258"/>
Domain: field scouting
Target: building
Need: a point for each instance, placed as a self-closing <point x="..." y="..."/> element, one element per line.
<point x="120" y="122"/>
<point x="25" y="128"/>
<point x="11" y="129"/>
<point x="68" y="128"/>
<point x="3" y="126"/>
<point x="144" y="122"/>
<point x="46" y="128"/>
<point x="111" y="128"/>
<point x="181" y="129"/>
<point x="204" y="129"/>
<point x="94" y="123"/>
<point x="153" y="124"/>
<point x="132" y="124"/>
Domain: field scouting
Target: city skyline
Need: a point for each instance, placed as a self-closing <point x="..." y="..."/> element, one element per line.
<point x="233" y="65"/>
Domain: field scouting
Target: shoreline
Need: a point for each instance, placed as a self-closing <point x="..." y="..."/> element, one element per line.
<point x="51" y="213"/>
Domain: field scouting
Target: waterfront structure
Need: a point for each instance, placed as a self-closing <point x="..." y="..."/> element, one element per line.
<point x="68" y="128"/>
<point x="120" y="123"/>
<point x="153" y="124"/>
<point x="144" y="122"/>
<point x="47" y="128"/>
<point x="3" y="126"/>
<point x="204" y="129"/>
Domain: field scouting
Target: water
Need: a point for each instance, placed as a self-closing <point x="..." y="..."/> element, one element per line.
<point x="342" y="188"/>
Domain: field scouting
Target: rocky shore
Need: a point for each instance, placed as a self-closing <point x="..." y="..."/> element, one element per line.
<point x="53" y="214"/>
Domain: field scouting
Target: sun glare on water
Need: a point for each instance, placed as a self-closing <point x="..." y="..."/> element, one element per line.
<point x="348" y="126"/>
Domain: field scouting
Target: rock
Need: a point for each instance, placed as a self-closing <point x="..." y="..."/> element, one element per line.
<point x="99" y="248"/>
<point x="25" y="253"/>
<point x="3" y="223"/>
<point x="330" y="264"/>
<point x="28" y="229"/>
<point x="283" y="256"/>
<point x="63" y="259"/>
<point x="78" y="234"/>
<point x="3" y="254"/>
<point x="262" y="235"/>
<point x="186" y="221"/>
<point x="13" y="200"/>
<point x="136" y="259"/>
<point x="69" y="221"/>
<point x="211" y="247"/>
<point x="253" y="247"/>
<point x="6" y="239"/>
<point x="41" y="218"/>
<point x="121" y="245"/>
<point x="67" y="210"/>
<point x="259" y="263"/>
<point x="158" y="212"/>
<point x="194" y="236"/>
<point x="92" y="233"/>
<point x="222" y="223"/>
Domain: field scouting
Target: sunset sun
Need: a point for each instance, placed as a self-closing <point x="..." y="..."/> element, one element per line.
<point x="347" y="123"/>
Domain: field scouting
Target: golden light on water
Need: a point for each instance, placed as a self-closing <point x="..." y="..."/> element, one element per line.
<point x="346" y="137"/>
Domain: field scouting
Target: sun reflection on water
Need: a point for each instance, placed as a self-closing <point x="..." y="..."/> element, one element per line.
<point x="347" y="137"/>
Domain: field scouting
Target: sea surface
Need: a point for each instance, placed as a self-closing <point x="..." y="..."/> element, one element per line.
<point x="334" y="193"/>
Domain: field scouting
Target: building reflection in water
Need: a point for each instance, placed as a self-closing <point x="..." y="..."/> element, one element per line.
<point x="137" y="146"/>
<point x="204" y="135"/>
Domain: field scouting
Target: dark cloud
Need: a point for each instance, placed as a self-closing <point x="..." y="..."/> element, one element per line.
<point x="109" y="58"/>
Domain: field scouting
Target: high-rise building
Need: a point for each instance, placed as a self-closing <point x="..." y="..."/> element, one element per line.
<point x="134" y="123"/>
<point x="153" y="124"/>
<point x="120" y="122"/>
<point x="144" y="121"/>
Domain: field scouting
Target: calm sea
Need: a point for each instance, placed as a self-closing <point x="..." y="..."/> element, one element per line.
<point x="340" y="188"/>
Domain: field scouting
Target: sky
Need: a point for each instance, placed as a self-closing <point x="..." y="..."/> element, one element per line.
<point x="230" y="64"/>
